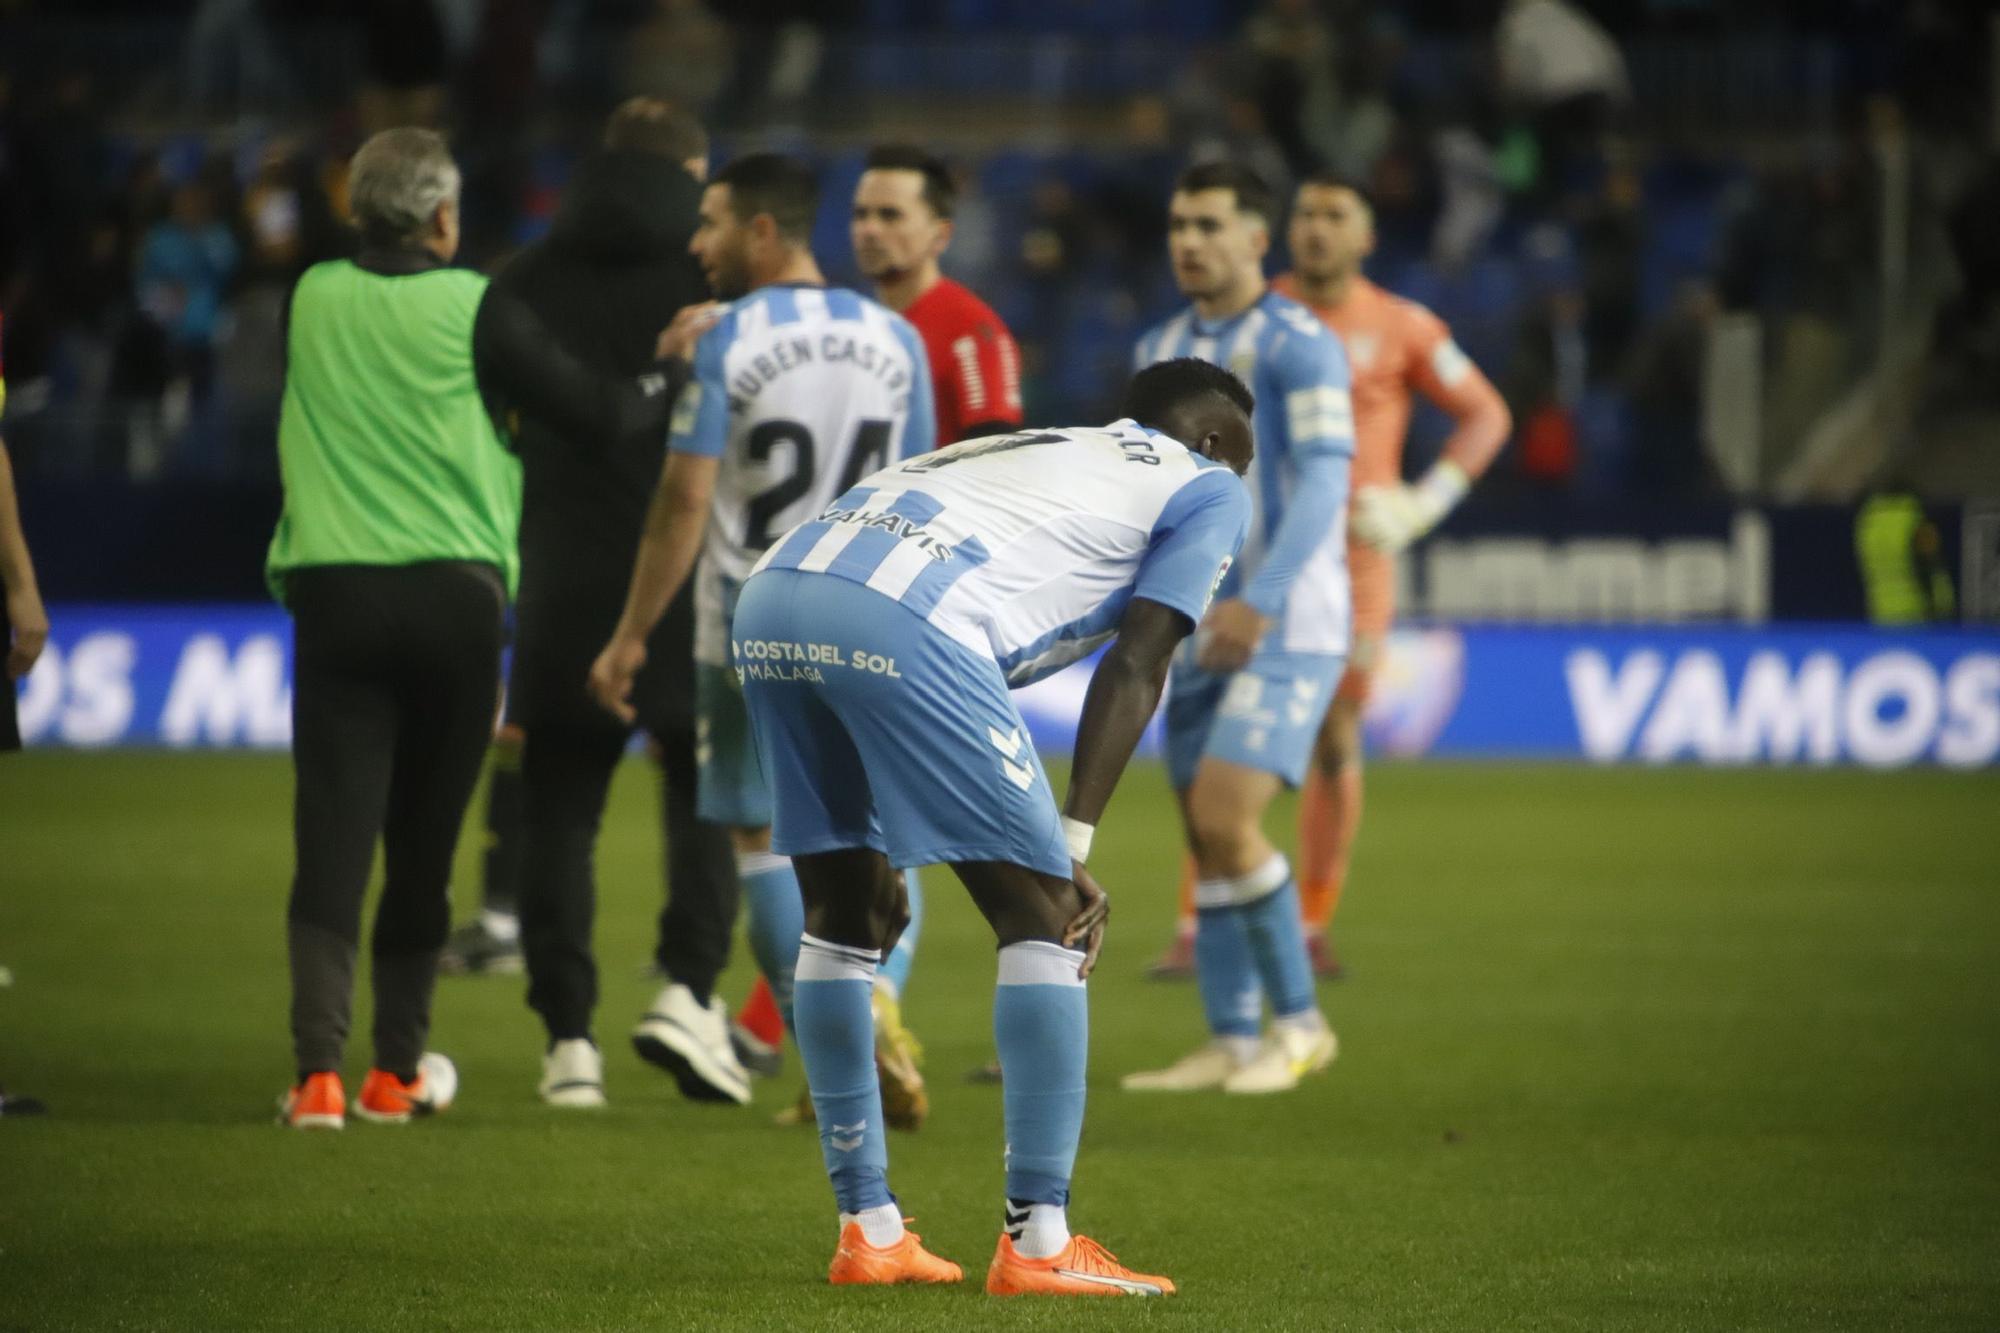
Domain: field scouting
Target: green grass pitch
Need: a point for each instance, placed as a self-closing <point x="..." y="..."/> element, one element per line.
<point x="1621" y="1049"/>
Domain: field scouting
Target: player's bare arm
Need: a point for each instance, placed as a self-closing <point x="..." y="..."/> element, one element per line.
<point x="667" y="552"/>
<point x="17" y="575"/>
<point x="1124" y="691"/>
<point x="1389" y="518"/>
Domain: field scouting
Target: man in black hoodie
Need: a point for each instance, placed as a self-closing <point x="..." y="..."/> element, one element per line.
<point x="613" y="270"/>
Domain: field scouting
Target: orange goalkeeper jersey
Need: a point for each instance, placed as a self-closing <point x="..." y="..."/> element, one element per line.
<point x="1393" y="346"/>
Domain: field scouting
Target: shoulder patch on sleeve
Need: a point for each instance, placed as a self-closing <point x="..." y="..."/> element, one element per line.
<point x="1319" y="412"/>
<point x="686" y="409"/>
<point x="1448" y="363"/>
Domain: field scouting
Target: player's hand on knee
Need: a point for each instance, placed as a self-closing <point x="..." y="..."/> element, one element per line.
<point x="1086" y="928"/>
<point x="1228" y="636"/>
<point x="611" y="677"/>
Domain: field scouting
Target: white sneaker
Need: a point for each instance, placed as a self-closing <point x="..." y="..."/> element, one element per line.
<point x="1289" y="1054"/>
<point x="1208" y="1067"/>
<point x="692" y="1043"/>
<point x="573" y="1074"/>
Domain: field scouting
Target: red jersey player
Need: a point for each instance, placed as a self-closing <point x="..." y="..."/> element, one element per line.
<point x="1393" y="347"/>
<point x="901" y="224"/>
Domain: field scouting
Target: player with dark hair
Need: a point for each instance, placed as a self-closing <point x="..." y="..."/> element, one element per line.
<point x="799" y="388"/>
<point x="877" y="645"/>
<point x="1394" y="346"/>
<point x="900" y="225"/>
<point x="1250" y="692"/>
<point x="613" y="268"/>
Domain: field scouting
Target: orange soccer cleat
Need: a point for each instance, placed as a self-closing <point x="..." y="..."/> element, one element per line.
<point x="388" y="1100"/>
<point x="1083" y="1268"/>
<point x="858" y="1264"/>
<point x="318" y="1103"/>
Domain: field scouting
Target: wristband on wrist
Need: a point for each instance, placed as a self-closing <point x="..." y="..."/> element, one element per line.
<point x="1444" y="486"/>
<point x="1078" y="835"/>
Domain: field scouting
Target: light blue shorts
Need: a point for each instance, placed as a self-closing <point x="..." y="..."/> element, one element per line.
<point x="1265" y="716"/>
<point x="729" y="780"/>
<point x="879" y="730"/>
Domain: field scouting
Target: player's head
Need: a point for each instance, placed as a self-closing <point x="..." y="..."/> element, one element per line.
<point x="902" y="213"/>
<point x="655" y="125"/>
<point x="1198" y="403"/>
<point x="1332" y="228"/>
<point x="1218" y="229"/>
<point x="755" y="216"/>
<point x="403" y="190"/>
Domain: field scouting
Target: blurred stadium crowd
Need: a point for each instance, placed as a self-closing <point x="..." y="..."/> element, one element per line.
<point x="1580" y="189"/>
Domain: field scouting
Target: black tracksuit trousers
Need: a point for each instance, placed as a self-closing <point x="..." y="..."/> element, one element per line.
<point x="395" y="678"/>
<point x="566" y="770"/>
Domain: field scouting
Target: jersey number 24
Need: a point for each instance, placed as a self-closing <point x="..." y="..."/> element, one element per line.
<point x="869" y="452"/>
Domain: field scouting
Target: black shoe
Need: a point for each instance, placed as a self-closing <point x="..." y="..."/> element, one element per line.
<point x="473" y="950"/>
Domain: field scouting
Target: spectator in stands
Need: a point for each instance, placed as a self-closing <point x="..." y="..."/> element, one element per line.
<point x="184" y="266"/>
<point x="1610" y="243"/>
<point x="1294" y="52"/>
<point x="682" y="54"/>
<point x="1564" y="71"/>
<point x="1663" y="384"/>
<point x="1543" y="385"/>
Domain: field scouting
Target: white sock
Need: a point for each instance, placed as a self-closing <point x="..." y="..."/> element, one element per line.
<point x="502" y="926"/>
<point x="881" y="1226"/>
<point x="1044" y="1232"/>
<point x="1243" y="1048"/>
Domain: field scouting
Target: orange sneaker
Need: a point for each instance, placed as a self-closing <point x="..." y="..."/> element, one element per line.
<point x="858" y="1264"/>
<point x="318" y="1103"/>
<point x="387" y="1100"/>
<point x="1083" y="1268"/>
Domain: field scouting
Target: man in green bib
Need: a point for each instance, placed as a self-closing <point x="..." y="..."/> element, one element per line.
<point x="396" y="555"/>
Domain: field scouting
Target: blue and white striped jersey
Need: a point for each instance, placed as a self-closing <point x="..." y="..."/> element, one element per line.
<point x="799" y="391"/>
<point x="1027" y="548"/>
<point x="1304" y="426"/>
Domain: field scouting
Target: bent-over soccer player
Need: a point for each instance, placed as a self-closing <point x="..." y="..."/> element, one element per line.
<point x="877" y="645"/>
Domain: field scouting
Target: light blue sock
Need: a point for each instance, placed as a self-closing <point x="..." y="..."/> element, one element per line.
<point x="1041" y="1027"/>
<point x="777" y="919"/>
<point x="896" y="967"/>
<point x="836" y="1036"/>
<point x="1278" y="941"/>
<point x="1226" y="969"/>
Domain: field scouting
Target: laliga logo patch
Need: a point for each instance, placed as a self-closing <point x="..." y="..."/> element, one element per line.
<point x="1215" y="586"/>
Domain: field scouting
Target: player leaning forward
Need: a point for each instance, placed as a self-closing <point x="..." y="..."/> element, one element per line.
<point x="876" y="645"/>
<point x="1248" y="697"/>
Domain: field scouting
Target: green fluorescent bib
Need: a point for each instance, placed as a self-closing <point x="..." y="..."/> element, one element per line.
<point x="387" y="451"/>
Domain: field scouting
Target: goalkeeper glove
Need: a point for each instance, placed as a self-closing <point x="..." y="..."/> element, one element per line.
<point x="1389" y="518"/>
